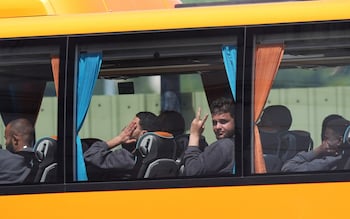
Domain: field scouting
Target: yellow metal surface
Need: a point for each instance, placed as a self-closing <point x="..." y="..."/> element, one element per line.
<point x="269" y="13"/>
<point x="24" y="8"/>
<point x="21" y="8"/>
<point x="77" y="6"/>
<point x="269" y="201"/>
<point x="295" y="201"/>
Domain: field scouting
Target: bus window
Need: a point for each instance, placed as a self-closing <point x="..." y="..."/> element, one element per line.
<point x="308" y="74"/>
<point x="153" y="73"/>
<point x="28" y="110"/>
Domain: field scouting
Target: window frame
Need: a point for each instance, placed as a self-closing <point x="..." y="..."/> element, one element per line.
<point x="244" y="121"/>
<point x="60" y="43"/>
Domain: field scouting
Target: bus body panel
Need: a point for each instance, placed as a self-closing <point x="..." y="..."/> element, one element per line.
<point x="25" y="8"/>
<point x="181" y="18"/>
<point x="303" y="201"/>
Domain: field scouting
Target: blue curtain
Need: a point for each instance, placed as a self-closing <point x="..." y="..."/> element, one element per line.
<point x="229" y="54"/>
<point x="88" y="70"/>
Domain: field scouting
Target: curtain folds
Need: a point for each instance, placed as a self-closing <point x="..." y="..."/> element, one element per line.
<point x="88" y="70"/>
<point x="55" y="65"/>
<point x="229" y="54"/>
<point x="267" y="60"/>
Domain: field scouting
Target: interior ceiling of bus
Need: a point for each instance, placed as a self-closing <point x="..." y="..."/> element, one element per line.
<point x="317" y="52"/>
<point x="165" y="55"/>
<point x="160" y="61"/>
<point x="206" y="58"/>
<point x="31" y="63"/>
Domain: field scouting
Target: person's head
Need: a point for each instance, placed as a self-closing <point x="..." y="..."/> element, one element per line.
<point x="18" y="134"/>
<point x="172" y="122"/>
<point x="145" y="122"/>
<point x="326" y="120"/>
<point x="334" y="132"/>
<point x="222" y="113"/>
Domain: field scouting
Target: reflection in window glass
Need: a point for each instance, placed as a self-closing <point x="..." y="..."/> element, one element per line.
<point x="144" y="101"/>
<point x="213" y="2"/>
<point x="28" y="113"/>
<point x="311" y="84"/>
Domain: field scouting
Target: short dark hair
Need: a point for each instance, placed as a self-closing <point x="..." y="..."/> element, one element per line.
<point x="25" y="128"/>
<point x="172" y="122"/>
<point x="223" y="105"/>
<point x="148" y="121"/>
<point x="338" y="126"/>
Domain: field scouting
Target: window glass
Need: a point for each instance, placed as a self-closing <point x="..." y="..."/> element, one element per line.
<point x="311" y="83"/>
<point x="28" y="112"/>
<point x="175" y="75"/>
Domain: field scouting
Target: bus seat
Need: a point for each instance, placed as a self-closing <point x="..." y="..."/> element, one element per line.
<point x="287" y="146"/>
<point x="304" y="141"/>
<point x="275" y="118"/>
<point x="156" y="154"/>
<point x="273" y="163"/>
<point x="181" y="145"/>
<point x="275" y="138"/>
<point x="282" y="144"/>
<point x="161" y="168"/>
<point x="46" y="152"/>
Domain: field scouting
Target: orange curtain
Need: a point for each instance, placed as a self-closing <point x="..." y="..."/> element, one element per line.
<point x="267" y="60"/>
<point x="55" y="65"/>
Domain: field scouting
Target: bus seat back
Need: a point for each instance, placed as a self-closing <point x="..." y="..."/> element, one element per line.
<point x="304" y="141"/>
<point x="46" y="152"/>
<point x="274" y="132"/>
<point x="156" y="154"/>
<point x="273" y="163"/>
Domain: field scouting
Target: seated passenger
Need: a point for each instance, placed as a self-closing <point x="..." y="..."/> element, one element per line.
<point x="330" y="155"/>
<point x="101" y="155"/>
<point x="219" y="157"/>
<point x="16" y="162"/>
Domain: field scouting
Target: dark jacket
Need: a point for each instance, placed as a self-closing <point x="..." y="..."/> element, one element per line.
<point x="14" y="168"/>
<point x="216" y="159"/>
<point x="308" y="161"/>
<point x="101" y="156"/>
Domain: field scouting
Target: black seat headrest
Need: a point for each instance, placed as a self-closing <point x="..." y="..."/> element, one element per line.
<point x="277" y="117"/>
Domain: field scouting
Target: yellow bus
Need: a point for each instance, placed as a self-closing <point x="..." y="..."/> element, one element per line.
<point x="81" y="70"/>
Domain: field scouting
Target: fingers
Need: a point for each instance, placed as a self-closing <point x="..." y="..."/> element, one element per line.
<point x="132" y="126"/>
<point x="205" y="118"/>
<point x="127" y="131"/>
<point x="198" y="116"/>
<point x="329" y="149"/>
